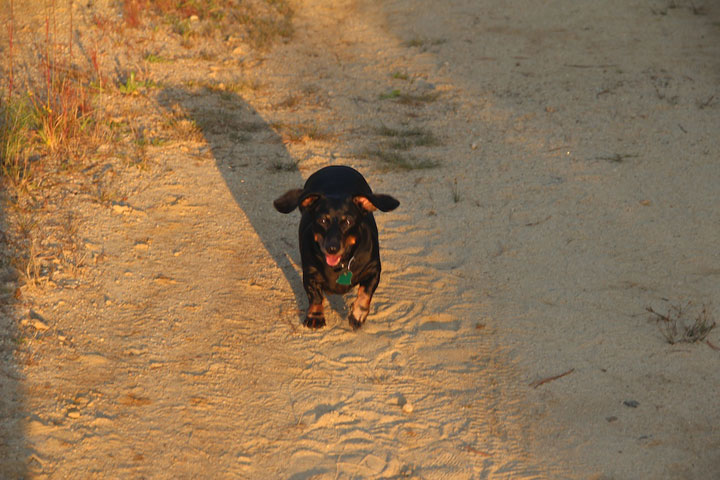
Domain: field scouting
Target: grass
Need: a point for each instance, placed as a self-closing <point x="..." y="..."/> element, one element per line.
<point x="132" y="85"/>
<point x="181" y="126"/>
<point x="290" y="102"/>
<point x="404" y="139"/>
<point x="16" y="124"/>
<point x="411" y="99"/>
<point x="153" y="58"/>
<point x="394" y="150"/>
<point x="258" y="22"/>
<point x="423" y="43"/>
<point x="284" y="165"/>
<point x="227" y="90"/>
<point x="53" y="119"/>
<point x="680" y="326"/>
<point x="300" y="133"/>
<point x="49" y="122"/>
<point x="399" y="161"/>
<point x="391" y="95"/>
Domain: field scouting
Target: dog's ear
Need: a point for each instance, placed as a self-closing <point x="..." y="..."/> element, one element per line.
<point x="308" y="200"/>
<point x="288" y="201"/>
<point x="370" y="203"/>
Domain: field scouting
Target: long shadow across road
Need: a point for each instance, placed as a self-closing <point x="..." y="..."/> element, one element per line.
<point x="13" y="448"/>
<point x="253" y="160"/>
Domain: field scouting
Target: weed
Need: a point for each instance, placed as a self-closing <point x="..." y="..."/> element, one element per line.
<point x="11" y="37"/>
<point x="303" y="133"/>
<point x="417" y="99"/>
<point x="424" y="43"/>
<point x="398" y="161"/>
<point x="706" y="103"/>
<point x="32" y="270"/>
<point x="676" y="327"/>
<point x="456" y="196"/>
<point x="16" y="125"/>
<point x="407" y="138"/>
<point x="131" y="85"/>
<point x="414" y="42"/>
<point x="245" y="85"/>
<point x="284" y="165"/>
<point x="55" y="118"/>
<point x="310" y="89"/>
<point x="617" y="157"/>
<point x="413" y="99"/>
<point x="183" y="127"/>
<point x="131" y="10"/>
<point x="290" y="102"/>
<point x="99" y="82"/>
<point x="299" y="133"/>
<point x="259" y="23"/>
<point x="153" y="58"/>
<point x="392" y="94"/>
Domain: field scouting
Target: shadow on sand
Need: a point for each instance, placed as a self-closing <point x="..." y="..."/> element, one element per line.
<point x="255" y="166"/>
<point x="13" y="451"/>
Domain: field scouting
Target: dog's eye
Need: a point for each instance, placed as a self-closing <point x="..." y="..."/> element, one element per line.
<point x="324" y="221"/>
<point x="347" y="221"/>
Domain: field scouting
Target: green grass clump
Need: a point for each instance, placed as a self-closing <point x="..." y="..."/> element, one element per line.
<point x="16" y="127"/>
<point x="410" y="99"/>
<point x="399" y="161"/>
<point x="404" y="139"/>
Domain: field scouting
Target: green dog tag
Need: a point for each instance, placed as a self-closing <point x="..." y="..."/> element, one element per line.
<point x="345" y="278"/>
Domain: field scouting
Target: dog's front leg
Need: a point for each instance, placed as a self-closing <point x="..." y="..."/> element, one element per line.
<point x="315" y="316"/>
<point x="361" y="307"/>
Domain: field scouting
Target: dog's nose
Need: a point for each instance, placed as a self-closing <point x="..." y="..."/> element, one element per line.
<point x="332" y="247"/>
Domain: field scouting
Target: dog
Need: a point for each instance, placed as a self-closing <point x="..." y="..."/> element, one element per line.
<point x="339" y="245"/>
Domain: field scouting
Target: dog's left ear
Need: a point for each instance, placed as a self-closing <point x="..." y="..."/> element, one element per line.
<point x="288" y="201"/>
<point x="372" y="202"/>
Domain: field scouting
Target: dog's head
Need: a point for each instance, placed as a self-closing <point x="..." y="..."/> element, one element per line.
<point x="335" y="221"/>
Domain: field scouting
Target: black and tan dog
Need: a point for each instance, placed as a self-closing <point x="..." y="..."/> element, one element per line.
<point x="338" y="238"/>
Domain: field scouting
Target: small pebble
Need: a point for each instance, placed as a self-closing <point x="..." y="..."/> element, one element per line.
<point x="407" y="408"/>
<point x="631" y="403"/>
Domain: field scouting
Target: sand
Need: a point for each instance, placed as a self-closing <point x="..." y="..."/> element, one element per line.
<point x="573" y="182"/>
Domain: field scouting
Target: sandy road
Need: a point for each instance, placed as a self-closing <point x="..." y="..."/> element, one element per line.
<point x="577" y="172"/>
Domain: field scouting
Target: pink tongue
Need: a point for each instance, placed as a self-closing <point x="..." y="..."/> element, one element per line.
<point x="332" y="260"/>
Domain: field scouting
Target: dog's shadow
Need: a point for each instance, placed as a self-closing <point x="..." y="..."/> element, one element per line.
<point x="257" y="169"/>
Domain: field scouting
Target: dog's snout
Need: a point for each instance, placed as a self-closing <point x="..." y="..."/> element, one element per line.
<point x="332" y="245"/>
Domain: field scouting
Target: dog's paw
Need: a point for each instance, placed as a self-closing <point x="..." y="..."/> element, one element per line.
<point x="360" y="310"/>
<point x="314" y="321"/>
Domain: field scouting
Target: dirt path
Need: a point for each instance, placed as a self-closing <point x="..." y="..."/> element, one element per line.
<point x="557" y="172"/>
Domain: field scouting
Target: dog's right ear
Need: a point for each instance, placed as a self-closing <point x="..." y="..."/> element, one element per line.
<point x="308" y="200"/>
<point x="293" y="199"/>
<point x="288" y="201"/>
